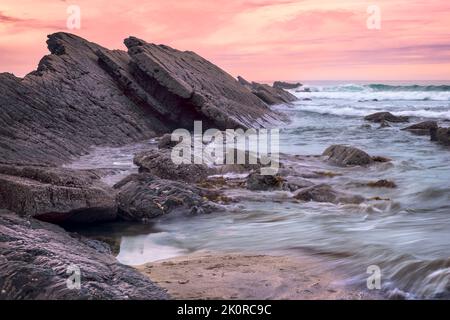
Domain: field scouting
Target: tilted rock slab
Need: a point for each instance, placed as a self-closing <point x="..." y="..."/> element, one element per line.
<point x="84" y="95"/>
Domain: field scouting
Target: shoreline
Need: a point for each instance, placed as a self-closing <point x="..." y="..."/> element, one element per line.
<point x="220" y="276"/>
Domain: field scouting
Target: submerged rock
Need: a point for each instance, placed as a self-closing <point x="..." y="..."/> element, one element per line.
<point x="325" y="193"/>
<point x="286" y="85"/>
<point x="56" y="195"/>
<point x="38" y="260"/>
<point x="142" y="197"/>
<point x="441" y="135"/>
<point x="385" y="116"/>
<point x="347" y="156"/>
<point x="422" y="128"/>
<point x="257" y="181"/>
<point x="382" y="184"/>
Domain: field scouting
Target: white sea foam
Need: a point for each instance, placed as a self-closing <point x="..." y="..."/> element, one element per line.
<point x="375" y="91"/>
<point x="364" y="111"/>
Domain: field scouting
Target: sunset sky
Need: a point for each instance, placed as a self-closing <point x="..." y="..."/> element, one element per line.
<point x="260" y="39"/>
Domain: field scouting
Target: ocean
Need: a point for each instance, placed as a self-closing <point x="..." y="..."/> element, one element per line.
<point x="407" y="234"/>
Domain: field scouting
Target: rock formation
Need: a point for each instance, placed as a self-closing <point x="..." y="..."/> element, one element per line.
<point x="56" y="195"/>
<point x="37" y="259"/>
<point x="347" y="156"/>
<point x="83" y="95"/>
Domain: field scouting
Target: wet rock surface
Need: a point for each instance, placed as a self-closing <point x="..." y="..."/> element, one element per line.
<point x="440" y="135"/>
<point x="325" y="193"/>
<point x="160" y="164"/>
<point x="35" y="257"/>
<point x="257" y="181"/>
<point x="142" y="197"/>
<point x="56" y="195"/>
<point x="422" y="128"/>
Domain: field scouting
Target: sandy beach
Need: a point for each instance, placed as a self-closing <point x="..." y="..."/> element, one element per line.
<point x="245" y="276"/>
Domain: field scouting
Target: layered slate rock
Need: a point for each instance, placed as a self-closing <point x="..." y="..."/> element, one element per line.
<point x="270" y="95"/>
<point x="142" y="197"/>
<point x="84" y="95"/>
<point x="56" y="195"/>
<point x="190" y="86"/>
<point x="38" y="258"/>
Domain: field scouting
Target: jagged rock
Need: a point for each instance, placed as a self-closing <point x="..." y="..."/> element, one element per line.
<point x="385" y="116"/>
<point x="347" y="156"/>
<point x="165" y="142"/>
<point x="192" y="88"/>
<point x="441" y="135"/>
<point x="268" y="94"/>
<point x="286" y="85"/>
<point x="422" y="128"/>
<point x="83" y="95"/>
<point x="142" y="197"/>
<point x="324" y="193"/>
<point x="35" y="258"/>
<point x="56" y="195"/>
<point x="257" y="181"/>
<point x="160" y="164"/>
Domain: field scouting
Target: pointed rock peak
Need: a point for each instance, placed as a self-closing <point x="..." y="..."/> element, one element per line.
<point x="133" y="42"/>
<point x="60" y="43"/>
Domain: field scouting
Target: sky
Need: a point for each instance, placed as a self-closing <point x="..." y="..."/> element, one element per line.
<point x="262" y="40"/>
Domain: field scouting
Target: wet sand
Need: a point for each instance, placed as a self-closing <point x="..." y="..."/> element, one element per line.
<point x="243" y="276"/>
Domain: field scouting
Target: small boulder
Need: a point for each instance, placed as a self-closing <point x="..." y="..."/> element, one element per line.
<point x="347" y="156"/>
<point x="142" y="197"/>
<point x="381" y="117"/>
<point x="422" y="128"/>
<point x="325" y="193"/>
<point x="160" y="164"/>
<point x="165" y="142"/>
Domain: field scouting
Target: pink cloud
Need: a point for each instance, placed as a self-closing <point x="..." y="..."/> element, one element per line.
<point x="260" y="39"/>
